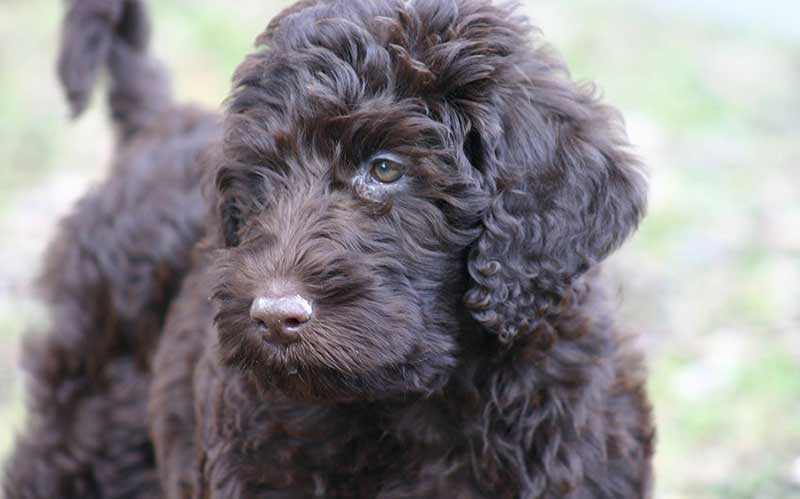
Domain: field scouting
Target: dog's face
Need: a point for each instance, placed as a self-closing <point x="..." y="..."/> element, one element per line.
<point x="390" y="180"/>
<point x="369" y="239"/>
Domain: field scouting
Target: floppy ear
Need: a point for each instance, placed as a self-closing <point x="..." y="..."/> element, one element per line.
<point x="234" y="189"/>
<point x="239" y="193"/>
<point x="565" y="192"/>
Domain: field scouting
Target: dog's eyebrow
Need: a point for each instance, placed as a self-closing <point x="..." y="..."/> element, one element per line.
<point x="397" y="158"/>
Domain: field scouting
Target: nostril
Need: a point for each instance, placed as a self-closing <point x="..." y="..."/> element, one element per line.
<point x="281" y="317"/>
<point x="293" y="322"/>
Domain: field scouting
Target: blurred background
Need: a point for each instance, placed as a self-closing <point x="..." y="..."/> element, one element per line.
<point x="711" y="93"/>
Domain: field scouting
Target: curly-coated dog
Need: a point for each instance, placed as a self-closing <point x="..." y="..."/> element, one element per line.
<point x="390" y="287"/>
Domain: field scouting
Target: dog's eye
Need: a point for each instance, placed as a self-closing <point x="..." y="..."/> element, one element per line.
<point x="387" y="171"/>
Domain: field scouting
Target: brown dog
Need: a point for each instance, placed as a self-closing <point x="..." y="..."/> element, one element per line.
<point x="408" y="206"/>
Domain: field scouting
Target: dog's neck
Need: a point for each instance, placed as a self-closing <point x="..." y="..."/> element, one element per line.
<point x="494" y="420"/>
<point x="483" y="413"/>
<point x="450" y="417"/>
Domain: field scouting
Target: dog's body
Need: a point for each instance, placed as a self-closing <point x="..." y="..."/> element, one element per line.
<point x="394" y="294"/>
<point x="258" y="444"/>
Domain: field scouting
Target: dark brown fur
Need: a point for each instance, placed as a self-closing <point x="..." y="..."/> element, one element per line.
<point x="461" y="343"/>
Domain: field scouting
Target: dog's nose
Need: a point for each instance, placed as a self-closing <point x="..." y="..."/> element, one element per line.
<point x="281" y="317"/>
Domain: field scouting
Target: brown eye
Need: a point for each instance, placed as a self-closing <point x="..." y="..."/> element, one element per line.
<point x="387" y="171"/>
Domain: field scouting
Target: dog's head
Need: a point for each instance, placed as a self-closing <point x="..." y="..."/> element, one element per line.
<point x="397" y="174"/>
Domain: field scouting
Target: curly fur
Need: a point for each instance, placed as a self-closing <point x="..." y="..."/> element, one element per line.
<point x="461" y="343"/>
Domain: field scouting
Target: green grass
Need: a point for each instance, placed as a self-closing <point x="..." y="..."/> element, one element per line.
<point x="745" y="417"/>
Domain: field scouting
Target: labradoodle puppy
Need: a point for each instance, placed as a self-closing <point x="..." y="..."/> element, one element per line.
<point x="388" y="288"/>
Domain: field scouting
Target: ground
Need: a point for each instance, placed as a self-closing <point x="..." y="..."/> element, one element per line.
<point x="712" y="280"/>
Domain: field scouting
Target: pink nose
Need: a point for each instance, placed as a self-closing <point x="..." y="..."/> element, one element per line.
<point x="281" y="317"/>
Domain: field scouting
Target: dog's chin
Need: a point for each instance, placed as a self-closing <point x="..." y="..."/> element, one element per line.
<point x="295" y="383"/>
<point x="333" y="362"/>
<point x="324" y="384"/>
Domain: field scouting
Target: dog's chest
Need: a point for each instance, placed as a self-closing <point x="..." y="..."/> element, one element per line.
<point x="378" y="468"/>
<point x="335" y="456"/>
<point x="318" y="452"/>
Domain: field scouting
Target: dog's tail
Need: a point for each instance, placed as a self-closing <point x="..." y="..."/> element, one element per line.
<point x="112" y="36"/>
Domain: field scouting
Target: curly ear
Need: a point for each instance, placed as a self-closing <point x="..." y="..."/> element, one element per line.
<point x="565" y="191"/>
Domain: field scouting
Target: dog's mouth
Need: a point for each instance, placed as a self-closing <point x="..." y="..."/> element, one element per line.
<point x="347" y="342"/>
<point x="353" y="350"/>
<point x="286" y="358"/>
<point x="366" y="332"/>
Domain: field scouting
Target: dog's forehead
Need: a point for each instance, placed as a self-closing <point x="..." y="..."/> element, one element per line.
<point x="333" y="57"/>
<point x="307" y="99"/>
<point x="352" y="78"/>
